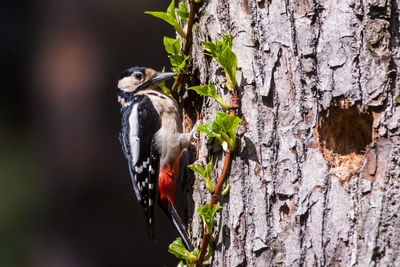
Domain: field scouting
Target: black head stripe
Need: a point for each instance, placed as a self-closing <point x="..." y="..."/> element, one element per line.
<point x="157" y="94"/>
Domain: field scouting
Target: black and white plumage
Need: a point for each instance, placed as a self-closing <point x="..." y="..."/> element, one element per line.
<point x="152" y="139"/>
<point x="140" y="121"/>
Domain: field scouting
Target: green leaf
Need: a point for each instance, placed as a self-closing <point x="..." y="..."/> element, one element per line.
<point x="228" y="39"/>
<point x="219" y="117"/>
<point x="215" y="49"/>
<point x="169" y="17"/>
<point x="209" y="186"/>
<point x="162" y="15"/>
<point x="208" y="169"/>
<point x="210" y="252"/>
<point x="209" y="90"/>
<point x="228" y="60"/>
<point x="178" y="249"/>
<point x="219" y="46"/>
<point x="226" y="122"/>
<point x="198" y="168"/>
<point x="215" y="208"/>
<point x="208" y="129"/>
<point x="225" y="191"/>
<point x="205" y="173"/>
<point x="195" y="252"/>
<point x="221" y="102"/>
<point x="223" y="54"/>
<point x="183" y="11"/>
<point x="172" y="46"/>
<point x="210" y="48"/>
<point x="206" y="90"/>
<point x="209" y="183"/>
<point x="212" y="129"/>
<point x="183" y="65"/>
<point x="208" y="215"/>
<point x="171" y="9"/>
<point x="178" y="61"/>
<point x="223" y="128"/>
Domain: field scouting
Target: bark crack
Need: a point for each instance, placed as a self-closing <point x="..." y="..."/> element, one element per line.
<point x="377" y="254"/>
<point x="246" y="188"/>
<point x="393" y="44"/>
<point x="357" y="65"/>
<point x="325" y="203"/>
<point x="293" y="33"/>
<point x="356" y="197"/>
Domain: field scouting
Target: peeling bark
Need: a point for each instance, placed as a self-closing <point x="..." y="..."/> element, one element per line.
<point x="298" y="61"/>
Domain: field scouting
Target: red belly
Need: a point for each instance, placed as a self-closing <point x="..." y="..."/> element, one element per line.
<point x="167" y="180"/>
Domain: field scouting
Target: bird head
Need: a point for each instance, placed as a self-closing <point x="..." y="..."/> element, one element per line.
<point x="139" y="78"/>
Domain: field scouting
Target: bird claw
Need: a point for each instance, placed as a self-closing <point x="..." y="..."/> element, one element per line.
<point x="195" y="133"/>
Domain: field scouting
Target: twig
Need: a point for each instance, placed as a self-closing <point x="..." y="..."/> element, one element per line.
<point x="218" y="187"/>
<point x="186" y="50"/>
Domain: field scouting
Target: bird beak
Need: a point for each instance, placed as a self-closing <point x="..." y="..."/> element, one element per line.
<point x="161" y="76"/>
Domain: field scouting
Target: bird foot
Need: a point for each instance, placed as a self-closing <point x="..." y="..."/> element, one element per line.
<point x="195" y="133"/>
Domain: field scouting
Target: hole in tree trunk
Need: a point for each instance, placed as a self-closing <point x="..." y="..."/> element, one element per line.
<point x="284" y="211"/>
<point x="344" y="133"/>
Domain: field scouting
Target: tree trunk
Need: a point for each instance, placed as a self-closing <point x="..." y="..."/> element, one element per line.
<point x="315" y="180"/>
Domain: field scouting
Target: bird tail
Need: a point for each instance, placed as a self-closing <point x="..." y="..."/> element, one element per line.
<point x="177" y="221"/>
<point x="167" y="185"/>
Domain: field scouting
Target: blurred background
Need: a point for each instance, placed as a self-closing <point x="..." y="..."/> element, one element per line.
<point x="65" y="193"/>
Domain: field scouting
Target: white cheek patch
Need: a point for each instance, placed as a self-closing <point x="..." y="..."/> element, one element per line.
<point x="127" y="84"/>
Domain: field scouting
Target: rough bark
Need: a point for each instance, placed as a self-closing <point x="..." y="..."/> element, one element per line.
<point x="315" y="181"/>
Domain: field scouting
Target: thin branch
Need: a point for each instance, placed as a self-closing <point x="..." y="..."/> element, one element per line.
<point x="189" y="33"/>
<point x="218" y="187"/>
<point x="186" y="50"/>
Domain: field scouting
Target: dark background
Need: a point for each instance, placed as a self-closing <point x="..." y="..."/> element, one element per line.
<point x="65" y="193"/>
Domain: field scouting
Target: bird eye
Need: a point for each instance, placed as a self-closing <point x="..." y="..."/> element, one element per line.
<point x="138" y="75"/>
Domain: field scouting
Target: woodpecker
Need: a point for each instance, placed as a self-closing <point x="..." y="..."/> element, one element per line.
<point x="153" y="141"/>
